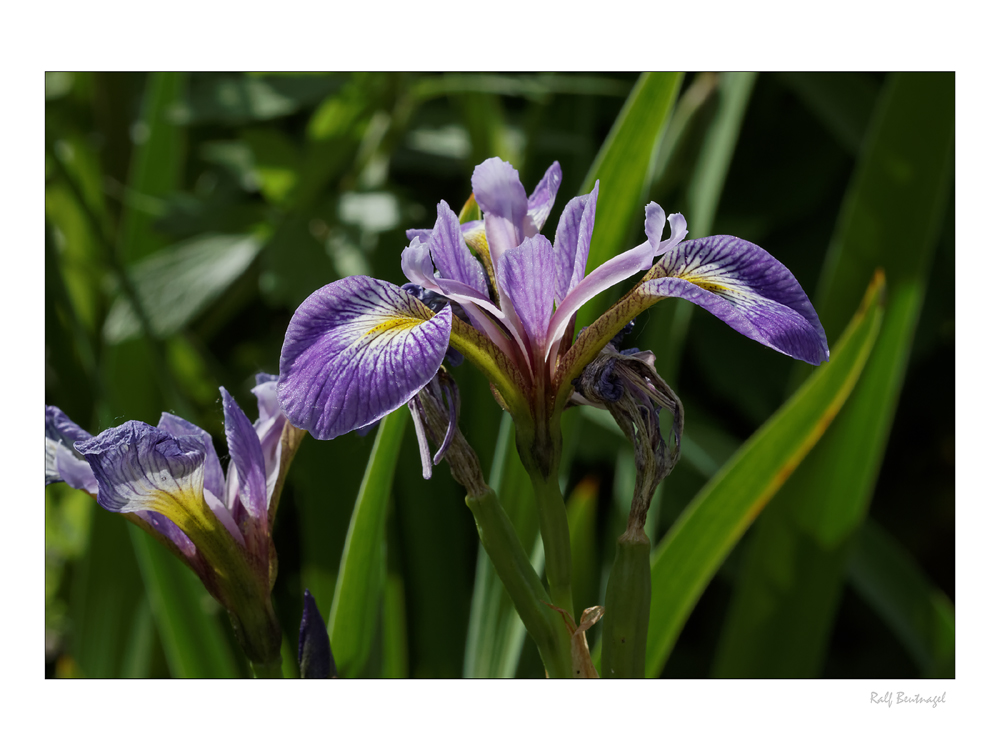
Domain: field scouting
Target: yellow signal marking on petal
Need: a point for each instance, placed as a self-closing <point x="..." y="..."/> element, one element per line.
<point x="392" y="324"/>
<point x="709" y="286"/>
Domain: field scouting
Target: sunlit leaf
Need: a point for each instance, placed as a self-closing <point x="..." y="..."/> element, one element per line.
<point x="694" y="548"/>
<point x="354" y="616"/>
<point x="179" y="282"/>
<point x="891" y="217"/>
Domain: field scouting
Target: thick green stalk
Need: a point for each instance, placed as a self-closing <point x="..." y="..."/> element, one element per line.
<point x="554" y="525"/>
<point x="539" y="444"/>
<point x="522" y="583"/>
<point x="626" y="607"/>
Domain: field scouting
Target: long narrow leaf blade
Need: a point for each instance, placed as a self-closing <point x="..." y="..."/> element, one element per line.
<point x="920" y="614"/>
<point x="891" y="218"/>
<point x="496" y="633"/>
<point x="715" y="520"/>
<point x="354" y="616"/>
<point x="193" y="641"/>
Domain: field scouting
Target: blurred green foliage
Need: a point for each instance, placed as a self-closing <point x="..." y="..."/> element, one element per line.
<point x="187" y="215"/>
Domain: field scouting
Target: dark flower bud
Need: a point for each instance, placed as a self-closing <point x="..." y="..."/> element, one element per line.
<point x="315" y="657"/>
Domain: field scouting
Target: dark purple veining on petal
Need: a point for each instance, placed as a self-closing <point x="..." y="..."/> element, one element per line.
<point x="62" y="461"/>
<point x="572" y="245"/>
<point x="527" y="274"/>
<point x="450" y="254"/>
<point x="743" y="285"/>
<point x="174" y="425"/>
<point x="135" y="463"/>
<point x="246" y="455"/>
<point x="355" y="351"/>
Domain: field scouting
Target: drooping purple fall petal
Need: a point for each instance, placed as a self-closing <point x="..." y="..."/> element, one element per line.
<point x="139" y="467"/>
<point x="62" y="461"/>
<point x="747" y="288"/>
<point x="356" y="350"/>
<point x="215" y="482"/>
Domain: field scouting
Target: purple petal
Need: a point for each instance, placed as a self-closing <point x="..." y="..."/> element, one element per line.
<point x="214" y="479"/>
<point x="417" y="265"/>
<point x="62" y="462"/>
<point x="744" y="286"/>
<point x="527" y="274"/>
<point x="501" y="196"/>
<point x="450" y="254"/>
<point x="421" y="235"/>
<point x="269" y="427"/>
<point x="619" y="268"/>
<point x="356" y="350"/>
<point x="163" y="525"/>
<point x="572" y="246"/>
<point x="139" y="467"/>
<point x="246" y="455"/>
<point x="542" y="199"/>
<point x="655" y="221"/>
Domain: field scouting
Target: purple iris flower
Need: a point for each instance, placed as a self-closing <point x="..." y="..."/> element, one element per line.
<point x="359" y="348"/>
<point x="168" y="480"/>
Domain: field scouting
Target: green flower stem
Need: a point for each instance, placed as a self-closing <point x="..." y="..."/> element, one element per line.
<point x="512" y="565"/>
<point x="554" y="525"/>
<point x="270" y="670"/>
<point x="626" y="607"/>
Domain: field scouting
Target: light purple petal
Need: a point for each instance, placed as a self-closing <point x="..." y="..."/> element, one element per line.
<point x="542" y="199"/>
<point x="139" y="467"/>
<point x="744" y="286"/>
<point x="655" y="221"/>
<point x="269" y="427"/>
<point x="417" y="265"/>
<point x="356" y="350"/>
<point x="174" y="425"/>
<point x="501" y="196"/>
<point x="171" y="531"/>
<point x="572" y="245"/>
<point x="246" y="455"/>
<point x="527" y="274"/>
<point x="450" y="254"/>
<point x="62" y="462"/>
<point x="619" y="268"/>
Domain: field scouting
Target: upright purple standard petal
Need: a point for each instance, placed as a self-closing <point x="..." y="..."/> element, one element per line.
<point x="269" y="427"/>
<point x="540" y="202"/>
<point x="356" y="350"/>
<point x="450" y="254"/>
<point x="139" y="467"/>
<point x="619" y="268"/>
<point x="744" y="286"/>
<point x="527" y="275"/>
<point x="501" y="196"/>
<point x="572" y="245"/>
<point x="246" y="455"/>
